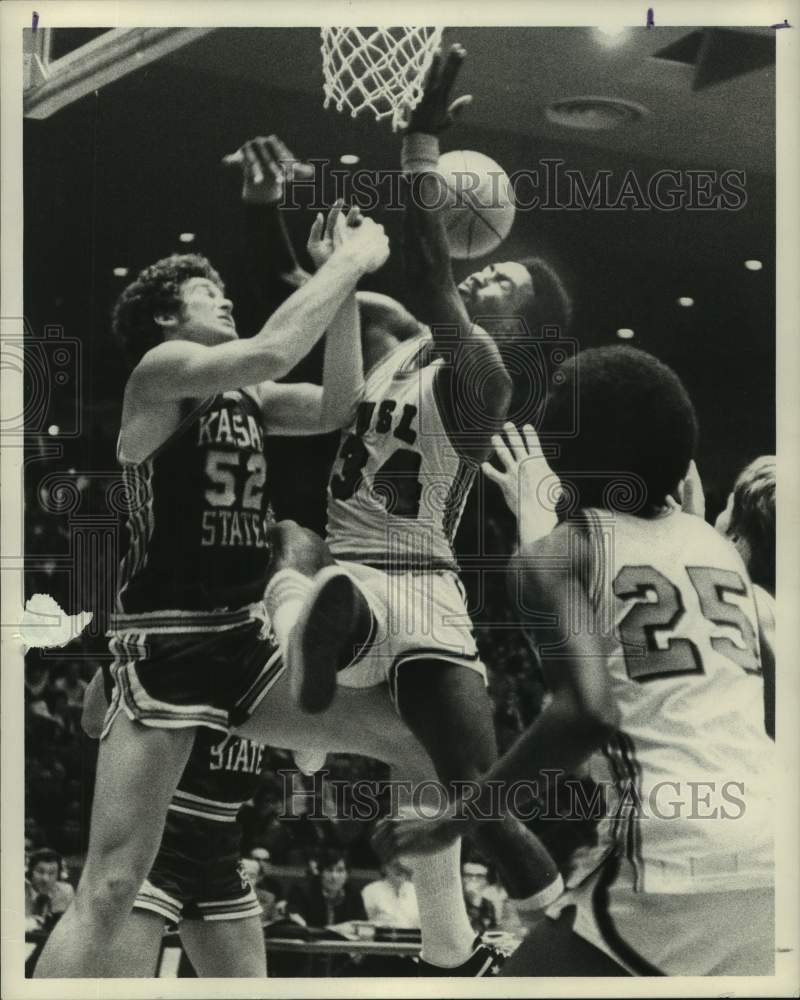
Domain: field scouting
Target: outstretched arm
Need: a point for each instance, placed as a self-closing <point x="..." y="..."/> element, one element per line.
<point x="180" y="369"/>
<point x="470" y="353"/>
<point x="311" y="409"/>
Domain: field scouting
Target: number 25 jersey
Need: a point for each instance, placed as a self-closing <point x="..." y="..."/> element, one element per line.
<point x="688" y="774"/>
<point x="398" y="487"/>
<point x="197" y="527"/>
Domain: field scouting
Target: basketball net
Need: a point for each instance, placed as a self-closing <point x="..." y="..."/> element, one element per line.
<point x="377" y="69"/>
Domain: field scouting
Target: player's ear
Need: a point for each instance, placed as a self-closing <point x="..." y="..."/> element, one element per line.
<point x="167" y="321"/>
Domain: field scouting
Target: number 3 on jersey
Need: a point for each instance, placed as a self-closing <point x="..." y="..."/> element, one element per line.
<point x="396" y="482"/>
<point x="649" y="620"/>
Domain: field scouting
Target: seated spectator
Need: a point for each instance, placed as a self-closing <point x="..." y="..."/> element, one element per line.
<point x="392" y="900"/>
<point x="270" y="904"/>
<point x="480" y="910"/>
<point x="327" y="899"/>
<point x="46" y="897"/>
<point x="262" y="821"/>
<point x="265" y="878"/>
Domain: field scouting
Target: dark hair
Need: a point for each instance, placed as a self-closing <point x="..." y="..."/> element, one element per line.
<point x="328" y="857"/>
<point x="636" y="430"/>
<point x="156" y="290"/>
<point x="44" y="854"/>
<point x="753" y="518"/>
<point x="551" y="304"/>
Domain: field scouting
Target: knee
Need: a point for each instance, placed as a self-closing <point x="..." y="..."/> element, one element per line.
<point x="299" y="548"/>
<point x="110" y="894"/>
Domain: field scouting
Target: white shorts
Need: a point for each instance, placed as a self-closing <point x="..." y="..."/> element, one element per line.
<point x="417" y="615"/>
<point x="682" y="934"/>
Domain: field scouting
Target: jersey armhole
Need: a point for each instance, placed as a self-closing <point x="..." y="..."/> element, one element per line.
<point x="192" y="413"/>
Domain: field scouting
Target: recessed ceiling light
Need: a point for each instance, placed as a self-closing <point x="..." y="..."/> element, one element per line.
<point x="625" y="333"/>
<point x="753" y="265"/>
<point x="594" y="113"/>
<point x="349" y="159"/>
<point x="611" y="34"/>
<point x="53" y="430"/>
<point x="120" y="272"/>
<point x="186" y="237"/>
<point x="686" y="301"/>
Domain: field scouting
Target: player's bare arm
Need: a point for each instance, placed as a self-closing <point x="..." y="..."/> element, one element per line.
<point x="185" y="369"/>
<point x="438" y="302"/>
<point x="310" y="409"/>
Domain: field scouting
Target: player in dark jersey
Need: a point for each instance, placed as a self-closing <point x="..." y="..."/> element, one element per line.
<point x="196" y="881"/>
<point x="190" y="636"/>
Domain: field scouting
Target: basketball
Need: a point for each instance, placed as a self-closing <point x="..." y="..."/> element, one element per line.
<point x="481" y="212"/>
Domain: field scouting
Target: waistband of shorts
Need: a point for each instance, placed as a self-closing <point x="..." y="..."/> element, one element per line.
<point x="176" y="621"/>
<point x="394" y="565"/>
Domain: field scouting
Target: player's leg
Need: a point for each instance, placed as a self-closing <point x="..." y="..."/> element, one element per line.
<point x="138" y="769"/>
<point x="318" y="613"/>
<point x="447" y="708"/>
<point x="226" y="948"/>
<point x="134" y="952"/>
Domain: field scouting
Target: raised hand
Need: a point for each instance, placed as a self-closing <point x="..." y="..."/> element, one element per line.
<point x="435" y="111"/>
<point x="267" y="164"/>
<point x="327" y="234"/>
<point x="524" y="467"/>
<point x="393" y="837"/>
<point x="366" y="243"/>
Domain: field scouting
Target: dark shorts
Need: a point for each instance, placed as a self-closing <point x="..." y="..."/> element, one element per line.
<point x="180" y="669"/>
<point x="197" y="874"/>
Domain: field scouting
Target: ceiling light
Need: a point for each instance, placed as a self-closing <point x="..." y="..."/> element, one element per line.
<point x="686" y="301"/>
<point x="186" y="237"/>
<point x="53" y="430"/>
<point x="120" y="272"/>
<point x="753" y="265"/>
<point x="349" y="159"/>
<point x="611" y="34"/>
<point x="625" y="333"/>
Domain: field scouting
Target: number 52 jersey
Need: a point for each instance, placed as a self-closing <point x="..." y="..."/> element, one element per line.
<point x="398" y="487"/>
<point x="688" y="775"/>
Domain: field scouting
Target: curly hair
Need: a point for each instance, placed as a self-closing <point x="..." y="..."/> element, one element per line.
<point x="637" y="430"/>
<point x="155" y="291"/>
<point x="551" y="304"/>
<point x="753" y="518"/>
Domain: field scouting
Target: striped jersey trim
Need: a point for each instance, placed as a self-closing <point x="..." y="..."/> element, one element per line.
<point x="174" y="621"/>
<point x="626" y="831"/>
<point x="246" y="905"/>
<point x="138" y="482"/>
<point x="456" y="498"/>
<point x="391" y="564"/>
<point x="624" y="952"/>
<point x="196" y="805"/>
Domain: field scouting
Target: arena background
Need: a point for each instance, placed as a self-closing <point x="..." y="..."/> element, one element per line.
<point x="112" y="180"/>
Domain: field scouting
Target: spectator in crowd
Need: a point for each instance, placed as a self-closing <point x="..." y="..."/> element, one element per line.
<point x="250" y="871"/>
<point x="327" y="899"/>
<point x="391" y="901"/>
<point x="46" y="896"/>
<point x="475" y="881"/>
<point x="262" y="821"/>
<point x="265" y="880"/>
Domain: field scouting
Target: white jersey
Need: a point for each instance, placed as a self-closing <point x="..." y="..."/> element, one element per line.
<point x="398" y="487"/>
<point x="688" y="775"/>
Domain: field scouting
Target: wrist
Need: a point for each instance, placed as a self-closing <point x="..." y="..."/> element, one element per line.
<point x="419" y="152"/>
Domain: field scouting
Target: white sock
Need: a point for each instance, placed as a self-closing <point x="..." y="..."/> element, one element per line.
<point x="284" y="597"/>
<point x="447" y="935"/>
